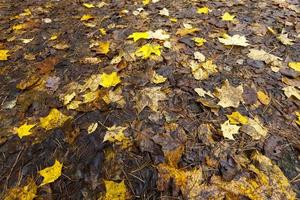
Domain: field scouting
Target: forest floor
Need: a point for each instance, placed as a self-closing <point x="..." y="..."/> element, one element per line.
<point x="146" y="99"/>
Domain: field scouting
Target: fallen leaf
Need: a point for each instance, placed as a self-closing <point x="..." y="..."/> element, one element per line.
<point x="237" y="118"/>
<point x="4" y="54"/>
<point x="109" y="80"/>
<point x="114" y="96"/>
<point x="263" y="98"/>
<point x="51" y="173"/>
<point x="187" y="31"/>
<point x="146" y="50"/>
<point x="235" y="40"/>
<point x="24" y="130"/>
<point x="202" y="92"/>
<point x="203" y="10"/>
<point x="164" y="12"/>
<point x="47" y="65"/>
<point x="229" y="130"/>
<point x="86" y="17"/>
<point x="204" y="70"/>
<point x="27" y="192"/>
<point x="227" y="17"/>
<point x="61" y="46"/>
<point x="255" y="129"/>
<point x="295" y="66"/>
<point x="229" y="96"/>
<point x="266" y="57"/>
<point x="291" y="91"/>
<point x="139" y="35"/>
<point x="157" y="79"/>
<point x="88" y="5"/>
<point x="53" y="83"/>
<point x="53" y="120"/>
<point x="298" y="116"/>
<point x="199" y="41"/>
<point x="115" y="134"/>
<point x="92" y="128"/>
<point x="103" y="47"/>
<point x="159" y="35"/>
<point x="68" y="98"/>
<point x="115" y="190"/>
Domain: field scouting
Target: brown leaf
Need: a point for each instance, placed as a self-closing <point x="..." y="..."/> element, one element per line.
<point x="47" y="65"/>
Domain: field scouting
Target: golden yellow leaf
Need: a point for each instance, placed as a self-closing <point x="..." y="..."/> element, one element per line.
<point x="92" y="128"/>
<point x="27" y="192"/>
<point x="88" y="5"/>
<point x="115" y="190"/>
<point x="90" y="96"/>
<point x="24" y="130"/>
<point x="291" y="91"/>
<point x="139" y="35"/>
<point x="68" y="98"/>
<point x="103" y="47"/>
<point x="54" y="119"/>
<point x="54" y="37"/>
<point x="172" y="19"/>
<point x="109" y="80"/>
<point x="199" y="41"/>
<point x="102" y="31"/>
<point x="187" y="31"/>
<point x="19" y="27"/>
<point x="227" y="17"/>
<point x="255" y="129"/>
<point x="146" y="50"/>
<point x="295" y="66"/>
<point x="203" y="10"/>
<point x="157" y="79"/>
<point x="204" y="70"/>
<point x="115" y="133"/>
<point x="237" y="118"/>
<point x="229" y="130"/>
<point x="298" y="116"/>
<point x="235" y="40"/>
<point x="51" y="173"/>
<point x="4" y="54"/>
<point x="74" y="105"/>
<point x="229" y="96"/>
<point x="263" y="98"/>
<point x="86" y="17"/>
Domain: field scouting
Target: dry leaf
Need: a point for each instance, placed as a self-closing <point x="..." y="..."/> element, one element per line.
<point x="157" y="79"/>
<point x="266" y="57"/>
<point x="229" y="96"/>
<point x="229" y="130"/>
<point x="291" y="91"/>
<point x="24" y="130"/>
<point x="237" y="118"/>
<point x="203" y="10"/>
<point x="202" y="92"/>
<point x="199" y="41"/>
<point x="92" y="128"/>
<point x="263" y="98"/>
<point x="235" y="40"/>
<point x="187" y="31"/>
<point x="115" y="190"/>
<point x="103" y="47"/>
<point x="51" y="173"/>
<point x="54" y="119"/>
<point x="255" y="129"/>
<point x="204" y="70"/>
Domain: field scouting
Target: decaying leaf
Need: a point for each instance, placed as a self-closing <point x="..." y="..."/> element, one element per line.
<point x="227" y="17"/>
<point x="51" y="173"/>
<point x="27" y="192"/>
<point x="103" y="47"/>
<point x="235" y="40"/>
<point x="115" y="190"/>
<point x="92" y="128"/>
<point x="229" y="96"/>
<point x="24" y="130"/>
<point x="291" y="91"/>
<point x="146" y="50"/>
<point x="263" y="98"/>
<point x="255" y="129"/>
<point x="115" y="134"/>
<point x="109" y="80"/>
<point x="202" y="71"/>
<point x="54" y="119"/>
<point x="4" y="54"/>
<point x="149" y="97"/>
<point x="266" y="57"/>
<point x="229" y="130"/>
<point x="157" y="79"/>
<point x="237" y="118"/>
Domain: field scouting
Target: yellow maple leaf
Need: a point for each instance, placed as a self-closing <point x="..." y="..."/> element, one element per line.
<point x="229" y="130"/>
<point x="229" y="96"/>
<point x="146" y="50"/>
<point x="203" y="10"/>
<point x="88" y="5"/>
<point x="24" y="130"/>
<point x="199" y="41"/>
<point x="139" y="35"/>
<point x="227" y="17"/>
<point x="298" y="116"/>
<point x="157" y="78"/>
<point x="27" y="192"/>
<point x="235" y="40"/>
<point x="115" y="190"/>
<point x="53" y="120"/>
<point x="86" y="17"/>
<point x="51" y="173"/>
<point x="295" y="66"/>
<point x="237" y="118"/>
<point x="263" y="98"/>
<point x="103" y="47"/>
<point x="115" y="133"/>
<point x="4" y="54"/>
<point x="109" y="80"/>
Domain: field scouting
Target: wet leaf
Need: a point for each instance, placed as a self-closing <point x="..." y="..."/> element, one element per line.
<point x="54" y="119"/>
<point x="263" y="98"/>
<point x="51" y="173"/>
<point x="148" y="49"/>
<point x="115" y="190"/>
<point x="27" y="192"/>
<point x="229" y="96"/>
<point x="229" y="130"/>
<point x="237" y="118"/>
<point x="4" y="54"/>
<point x="227" y="17"/>
<point x="235" y="40"/>
<point x="24" y="130"/>
<point x="109" y="80"/>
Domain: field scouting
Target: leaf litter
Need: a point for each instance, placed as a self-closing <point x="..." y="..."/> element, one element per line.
<point x="149" y="99"/>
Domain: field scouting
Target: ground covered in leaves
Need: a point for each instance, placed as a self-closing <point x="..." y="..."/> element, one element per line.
<point x="149" y="99"/>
